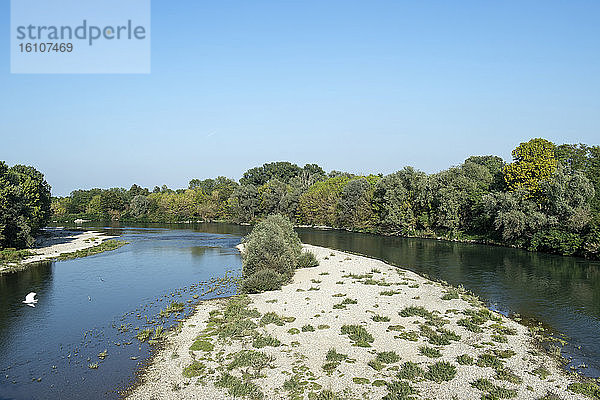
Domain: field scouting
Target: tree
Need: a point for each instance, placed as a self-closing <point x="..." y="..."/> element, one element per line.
<point x="354" y="205"/>
<point x="139" y="205"/>
<point x="318" y="205"/>
<point x="533" y="162"/>
<point x="25" y="203"/>
<point x="494" y="165"/>
<point x="282" y="170"/>
<point x="244" y="203"/>
<point x="271" y="195"/>
<point x="400" y="198"/>
<point x="514" y="217"/>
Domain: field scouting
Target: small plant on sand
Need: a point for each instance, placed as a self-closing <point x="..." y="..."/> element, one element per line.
<point x="399" y="390"/>
<point x="361" y="381"/>
<point x="380" y="318"/>
<point x="395" y="328"/>
<point x="464" y="359"/>
<point x="239" y="388"/>
<point x="429" y="352"/>
<point x="202" y="345"/>
<point x="333" y="355"/>
<point x="451" y="294"/>
<point x="308" y="328"/>
<point x="344" y="303"/>
<point x="489" y="360"/>
<point x="250" y="358"/>
<point x="440" y="338"/>
<point x="273" y="318"/>
<point x="441" y="371"/>
<point x="389" y="292"/>
<point x="261" y="341"/>
<point x="388" y="357"/>
<point x="431" y="318"/>
<point x="410" y="371"/>
<point x="492" y="391"/>
<point x="358" y="334"/>
<point x="541" y="372"/>
<point x="307" y="260"/>
<point x="504" y="374"/>
<point x="194" y="369"/>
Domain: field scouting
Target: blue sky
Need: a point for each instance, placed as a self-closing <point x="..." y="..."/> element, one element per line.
<point x="361" y="86"/>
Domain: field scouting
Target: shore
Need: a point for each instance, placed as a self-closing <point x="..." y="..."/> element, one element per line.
<point x="353" y="327"/>
<point x="58" y="242"/>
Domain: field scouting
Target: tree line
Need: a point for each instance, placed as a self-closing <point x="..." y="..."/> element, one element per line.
<point x="546" y="199"/>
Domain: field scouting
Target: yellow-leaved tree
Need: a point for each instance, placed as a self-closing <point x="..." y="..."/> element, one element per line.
<point x="533" y="162"/>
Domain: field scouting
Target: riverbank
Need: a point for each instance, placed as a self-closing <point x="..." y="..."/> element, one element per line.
<point x="357" y="328"/>
<point x="59" y="243"/>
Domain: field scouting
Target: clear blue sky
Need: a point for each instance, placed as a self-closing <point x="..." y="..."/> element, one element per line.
<point x="361" y="86"/>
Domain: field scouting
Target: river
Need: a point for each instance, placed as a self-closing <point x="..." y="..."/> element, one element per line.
<point x="93" y="304"/>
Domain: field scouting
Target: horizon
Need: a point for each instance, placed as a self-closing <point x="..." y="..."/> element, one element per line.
<point x="350" y="86"/>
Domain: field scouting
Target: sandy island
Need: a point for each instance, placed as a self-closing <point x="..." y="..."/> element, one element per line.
<point x="353" y="327"/>
<point x="54" y="242"/>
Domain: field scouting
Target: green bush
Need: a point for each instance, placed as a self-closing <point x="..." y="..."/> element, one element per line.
<point x="307" y="259"/>
<point x="263" y="280"/>
<point x="269" y="246"/>
<point x="271" y="253"/>
<point x="556" y="241"/>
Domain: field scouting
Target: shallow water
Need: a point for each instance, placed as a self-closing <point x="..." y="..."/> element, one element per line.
<point x="93" y="304"/>
<point x="562" y="292"/>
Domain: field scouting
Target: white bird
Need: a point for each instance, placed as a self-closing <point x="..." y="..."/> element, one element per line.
<point x="30" y="299"/>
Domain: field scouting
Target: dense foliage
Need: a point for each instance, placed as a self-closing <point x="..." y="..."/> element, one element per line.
<point x="271" y="253"/>
<point x="24" y="205"/>
<point x="546" y="199"/>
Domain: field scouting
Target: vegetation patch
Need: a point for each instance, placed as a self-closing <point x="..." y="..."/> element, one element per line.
<point x="273" y="318"/>
<point x="361" y="381"/>
<point x="388" y="357"/>
<point x="464" y="359"/>
<point x="358" y="334"/>
<point x="400" y="390"/>
<point x="492" y="391"/>
<point x="504" y="374"/>
<point x="380" y="318"/>
<point x="440" y="338"/>
<point x="239" y="388"/>
<point x="429" y="352"/>
<point x="106" y="245"/>
<point x="307" y="259"/>
<point x="250" y="358"/>
<point x="441" y="371"/>
<point x="420" y="311"/>
<point x="261" y="341"/>
<point x="541" y="372"/>
<point x="202" y="345"/>
<point x="344" y="303"/>
<point x="410" y="371"/>
<point x="194" y="369"/>
<point x="308" y="328"/>
<point x="588" y="389"/>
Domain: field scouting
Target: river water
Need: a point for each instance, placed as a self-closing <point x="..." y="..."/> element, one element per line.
<point x="95" y="303"/>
